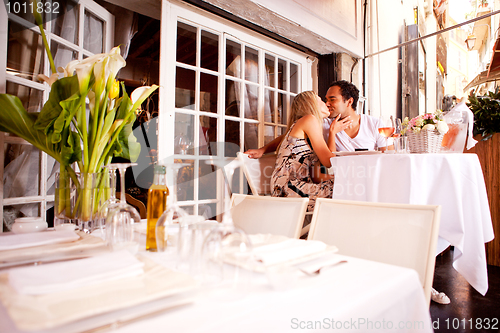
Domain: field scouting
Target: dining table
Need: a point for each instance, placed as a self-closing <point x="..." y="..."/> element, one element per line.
<point x="354" y="295"/>
<point x="453" y="180"/>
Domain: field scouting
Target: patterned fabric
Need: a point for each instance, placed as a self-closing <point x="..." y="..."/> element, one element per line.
<point x="291" y="176"/>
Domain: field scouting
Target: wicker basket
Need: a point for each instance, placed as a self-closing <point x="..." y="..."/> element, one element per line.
<point x="425" y="142"/>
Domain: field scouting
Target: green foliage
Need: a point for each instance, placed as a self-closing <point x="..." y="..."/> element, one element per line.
<point x="486" y="111"/>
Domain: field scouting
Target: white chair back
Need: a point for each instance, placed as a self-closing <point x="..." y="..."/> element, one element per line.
<point x="258" y="172"/>
<point x="397" y="234"/>
<point x="269" y="215"/>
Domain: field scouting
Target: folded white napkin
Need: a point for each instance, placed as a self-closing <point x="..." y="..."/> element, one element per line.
<point x="287" y="250"/>
<point x="61" y="276"/>
<point x="19" y="241"/>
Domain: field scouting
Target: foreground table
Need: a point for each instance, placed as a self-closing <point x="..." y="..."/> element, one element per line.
<point x="358" y="296"/>
<point x="454" y="181"/>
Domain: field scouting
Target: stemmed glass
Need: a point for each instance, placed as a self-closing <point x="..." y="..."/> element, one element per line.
<point x="386" y="128"/>
<point x="225" y="242"/>
<point x="173" y="214"/>
<point x="183" y="143"/>
<point x="119" y="229"/>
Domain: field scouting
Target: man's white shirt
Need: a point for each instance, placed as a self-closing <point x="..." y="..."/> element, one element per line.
<point x="368" y="136"/>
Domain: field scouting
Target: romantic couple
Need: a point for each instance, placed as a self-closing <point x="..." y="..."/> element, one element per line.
<point x="315" y="132"/>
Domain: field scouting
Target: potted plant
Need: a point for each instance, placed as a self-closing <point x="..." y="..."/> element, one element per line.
<point x="486" y="111"/>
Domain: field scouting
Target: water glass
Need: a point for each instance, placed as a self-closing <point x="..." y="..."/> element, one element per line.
<point x="401" y="145"/>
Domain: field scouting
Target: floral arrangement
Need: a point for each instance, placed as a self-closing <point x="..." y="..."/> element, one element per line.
<point x="429" y="121"/>
<point x="85" y="120"/>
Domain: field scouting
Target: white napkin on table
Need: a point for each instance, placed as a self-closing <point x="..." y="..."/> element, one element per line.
<point x="61" y="276"/>
<point x="19" y="241"/>
<point x="287" y="250"/>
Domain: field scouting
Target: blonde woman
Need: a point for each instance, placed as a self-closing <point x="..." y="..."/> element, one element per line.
<point x="303" y="146"/>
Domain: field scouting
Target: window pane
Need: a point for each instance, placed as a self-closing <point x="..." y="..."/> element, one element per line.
<point x="281" y="131"/>
<point x="251" y="136"/>
<point x="270" y="75"/>
<point x="66" y="26"/>
<point x="232" y="98"/>
<point x="93" y="35"/>
<point x="251" y="101"/>
<point x="30" y="97"/>
<point x="251" y="65"/>
<point x="268" y="134"/>
<point x="208" y="92"/>
<point x="186" y="44"/>
<point x="185" y="181"/>
<point x="208" y="135"/>
<point x="209" y="51"/>
<point x="25" y="52"/>
<point x="184" y="88"/>
<point x="22" y="171"/>
<point x="232" y="138"/>
<point x="208" y="210"/>
<point x="62" y="54"/>
<point x="294" y="78"/>
<point x="269" y="104"/>
<point x="184" y="134"/>
<point x="282" y="74"/>
<point x="282" y="109"/>
<point x="233" y="59"/>
<point x="208" y="182"/>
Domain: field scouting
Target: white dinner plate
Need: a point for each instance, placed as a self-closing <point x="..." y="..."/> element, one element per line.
<point x="361" y="152"/>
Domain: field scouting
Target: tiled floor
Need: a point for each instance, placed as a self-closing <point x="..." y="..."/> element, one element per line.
<point x="466" y="302"/>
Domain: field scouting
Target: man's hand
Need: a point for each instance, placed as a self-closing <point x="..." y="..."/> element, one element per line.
<point x="255" y="153"/>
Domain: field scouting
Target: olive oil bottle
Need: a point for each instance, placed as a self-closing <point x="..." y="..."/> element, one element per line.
<point x="157" y="204"/>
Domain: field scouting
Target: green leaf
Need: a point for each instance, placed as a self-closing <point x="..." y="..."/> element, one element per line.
<point x="14" y="119"/>
<point x="62" y="90"/>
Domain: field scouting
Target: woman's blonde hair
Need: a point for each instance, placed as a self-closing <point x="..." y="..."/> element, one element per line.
<point x="304" y="104"/>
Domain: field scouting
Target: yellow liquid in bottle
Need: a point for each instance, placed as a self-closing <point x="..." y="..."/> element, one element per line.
<point x="157" y="204"/>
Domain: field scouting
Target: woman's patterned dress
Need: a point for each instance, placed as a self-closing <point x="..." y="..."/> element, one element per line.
<point x="291" y="176"/>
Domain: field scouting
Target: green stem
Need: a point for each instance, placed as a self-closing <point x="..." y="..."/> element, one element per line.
<point x="83" y="123"/>
<point x="113" y="139"/>
<point x="39" y="22"/>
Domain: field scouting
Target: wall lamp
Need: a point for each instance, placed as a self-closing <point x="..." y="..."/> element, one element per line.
<point x="470" y="41"/>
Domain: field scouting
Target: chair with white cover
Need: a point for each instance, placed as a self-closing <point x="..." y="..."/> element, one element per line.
<point x="398" y="234"/>
<point x="258" y="172"/>
<point x="268" y="215"/>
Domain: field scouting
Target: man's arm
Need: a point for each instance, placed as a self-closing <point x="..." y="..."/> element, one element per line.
<point x="270" y="147"/>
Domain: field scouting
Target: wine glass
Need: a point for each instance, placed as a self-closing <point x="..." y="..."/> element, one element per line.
<point x="119" y="228"/>
<point x="183" y="143"/>
<point x="226" y="243"/>
<point x="173" y="213"/>
<point x="386" y="128"/>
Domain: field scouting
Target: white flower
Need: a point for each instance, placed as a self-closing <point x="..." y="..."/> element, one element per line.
<point x="442" y="127"/>
<point x="416" y="130"/>
<point x="419" y="121"/>
<point x="429" y="127"/>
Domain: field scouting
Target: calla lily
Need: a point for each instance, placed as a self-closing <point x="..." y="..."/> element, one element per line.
<point x="140" y="94"/>
<point x="70" y="68"/>
<point x="83" y="73"/>
<point x="53" y="78"/>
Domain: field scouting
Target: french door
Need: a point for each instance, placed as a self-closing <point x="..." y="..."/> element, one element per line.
<point x="224" y="90"/>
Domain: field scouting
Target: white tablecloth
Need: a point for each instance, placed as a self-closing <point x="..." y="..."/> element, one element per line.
<point x="359" y="296"/>
<point x="454" y="181"/>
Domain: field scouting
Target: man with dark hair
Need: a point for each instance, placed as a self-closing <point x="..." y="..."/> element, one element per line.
<point x="342" y="99"/>
<point x="361" y="131"/>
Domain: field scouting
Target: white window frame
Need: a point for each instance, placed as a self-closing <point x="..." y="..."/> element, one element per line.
<point x="108" y="35"/>
<point x="171" y="14"/>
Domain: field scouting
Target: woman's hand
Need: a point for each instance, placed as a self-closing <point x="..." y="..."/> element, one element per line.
<point x="255" y="153"/>
<point x="340" y="125"/>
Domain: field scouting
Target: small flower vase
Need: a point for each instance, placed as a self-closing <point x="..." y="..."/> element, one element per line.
<point x="78" y="203"/>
